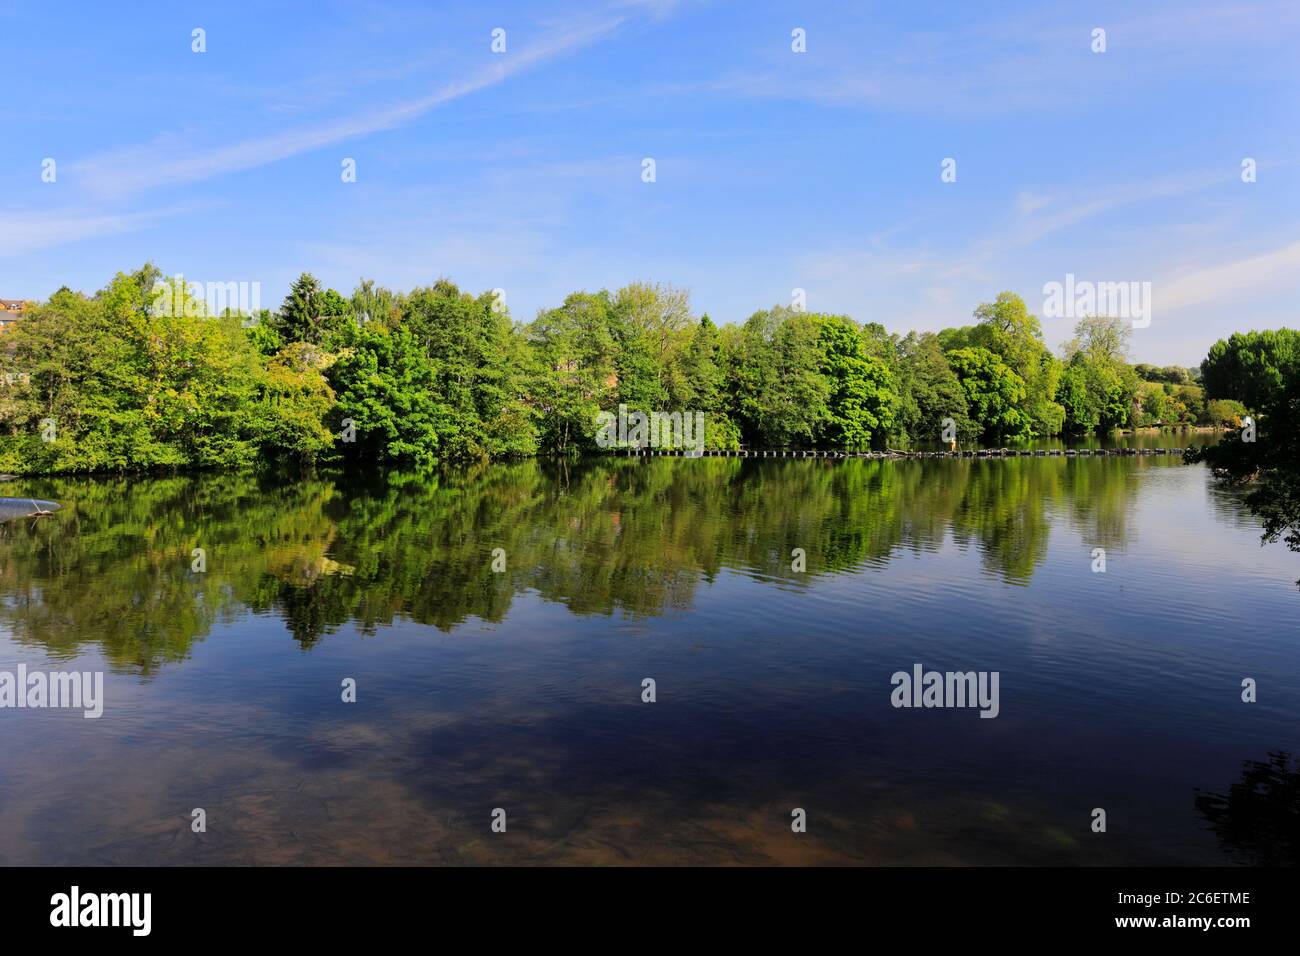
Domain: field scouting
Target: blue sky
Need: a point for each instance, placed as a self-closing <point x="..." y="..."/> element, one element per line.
<point x="774" y="170"/>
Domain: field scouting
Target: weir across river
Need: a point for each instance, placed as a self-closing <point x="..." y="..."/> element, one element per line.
<point x="890" y="453"/>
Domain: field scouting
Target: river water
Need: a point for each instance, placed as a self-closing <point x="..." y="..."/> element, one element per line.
<point x="499" y="623"/>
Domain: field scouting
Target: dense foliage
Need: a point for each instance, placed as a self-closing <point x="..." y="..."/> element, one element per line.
<point x="1255" y="378"/>
<point x="140" y="377"/>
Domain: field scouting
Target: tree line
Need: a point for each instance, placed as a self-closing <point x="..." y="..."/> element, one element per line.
<point x="139" y="376"/>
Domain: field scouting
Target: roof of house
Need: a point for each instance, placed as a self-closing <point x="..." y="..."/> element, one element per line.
<point x="14" y="305"/>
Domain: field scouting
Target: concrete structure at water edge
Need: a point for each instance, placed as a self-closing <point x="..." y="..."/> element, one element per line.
<point x="890" y="454"/>
<point x="14" y="508"/>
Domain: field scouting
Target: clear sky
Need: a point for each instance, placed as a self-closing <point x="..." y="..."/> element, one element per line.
<point x="775" y="170"/>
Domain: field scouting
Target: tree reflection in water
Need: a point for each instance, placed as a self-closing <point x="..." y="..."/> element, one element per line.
<point x="1258" y="820"/>
<point x="598" y="536"/>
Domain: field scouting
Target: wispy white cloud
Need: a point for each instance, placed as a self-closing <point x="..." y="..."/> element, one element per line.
<point x="1031" y="62"/>
<point x="1051" y="212"/>
<point x="923" y="279"/>
<point x="111" y="178"/>
<point x="170" y="160"/>
<point x="1032" y="217"/>
<point x="23" y="232"/>
<point x="1220" y="283"/>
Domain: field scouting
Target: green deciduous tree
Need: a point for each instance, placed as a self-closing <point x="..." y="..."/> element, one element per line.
<point x="296" y="402"/>
<point x="1098" y="389"/>
<point x="128" y="386"/>
<point x="577" y="374"/>
<point x="1006" y="328"/>
<point x="1251" y="367"/>
<point x="384" y="385"/>
<point x="862" y="400"/>
<point x="779" y="395"/>
<point x="1266" y="458"/>
<point x="467" y="339"/>
<point x="994" y="393"/>
<point x="930" y="392"/>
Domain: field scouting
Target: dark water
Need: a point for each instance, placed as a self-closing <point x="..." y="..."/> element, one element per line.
<point x="522" y="689"/>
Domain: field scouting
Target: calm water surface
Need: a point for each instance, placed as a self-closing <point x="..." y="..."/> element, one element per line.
<point x="522" y="689"/>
